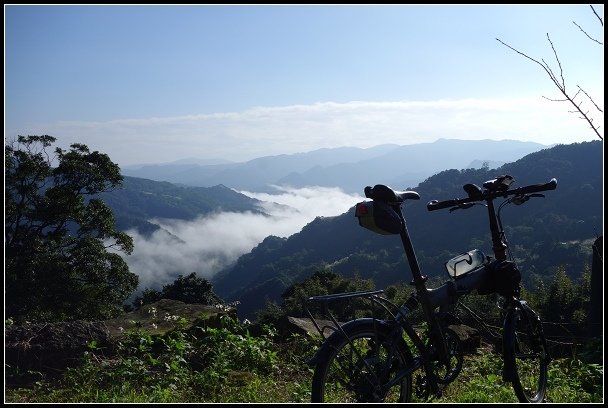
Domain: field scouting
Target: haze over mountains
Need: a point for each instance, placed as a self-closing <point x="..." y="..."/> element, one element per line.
<point x="252" y="242"/>
<point x="545" y="234"/>
<point x="347" y="168"/>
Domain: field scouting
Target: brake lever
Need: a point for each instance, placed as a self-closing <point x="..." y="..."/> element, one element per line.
<point x="463" y="206"/>
<point x="520" y="199"/>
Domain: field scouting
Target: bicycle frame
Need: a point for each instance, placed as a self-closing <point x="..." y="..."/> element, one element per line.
<point x="436" y="350"/>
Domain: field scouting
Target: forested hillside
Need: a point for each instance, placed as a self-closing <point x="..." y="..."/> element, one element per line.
<point x="140" y="200"/>
<point x="545" y="233"/>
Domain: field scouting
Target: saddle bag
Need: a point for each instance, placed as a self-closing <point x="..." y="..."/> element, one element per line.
<point x="379" y="217"/>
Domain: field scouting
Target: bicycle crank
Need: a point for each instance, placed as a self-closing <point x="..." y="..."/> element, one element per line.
<point x="446" y="372"/>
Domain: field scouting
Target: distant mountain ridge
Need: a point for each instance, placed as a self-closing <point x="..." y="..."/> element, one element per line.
<point x="345" y="167"/>
<point x="546" y="233"/>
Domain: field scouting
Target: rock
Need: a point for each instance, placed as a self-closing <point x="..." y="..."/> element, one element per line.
<point x="51" y="347"/>
<point x="470" y="339"/>
<point x="304" y="325"/>
<point x="164" y="315"/>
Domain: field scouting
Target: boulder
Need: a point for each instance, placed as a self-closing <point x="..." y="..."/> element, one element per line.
<point x="52" y="347"/>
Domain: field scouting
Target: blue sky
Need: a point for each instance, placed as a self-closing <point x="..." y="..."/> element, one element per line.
<point x="150" y="84"/>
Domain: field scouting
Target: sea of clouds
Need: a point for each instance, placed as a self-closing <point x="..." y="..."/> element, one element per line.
<point x="211" y="242"/>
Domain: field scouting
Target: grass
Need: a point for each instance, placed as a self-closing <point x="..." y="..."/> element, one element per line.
<point x="228" y="365"/>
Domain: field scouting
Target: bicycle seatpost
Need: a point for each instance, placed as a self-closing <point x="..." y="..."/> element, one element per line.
<point x="410" y="253"/>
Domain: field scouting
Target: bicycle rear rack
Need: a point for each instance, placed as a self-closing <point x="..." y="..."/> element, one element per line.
<point x="377" y="303"/>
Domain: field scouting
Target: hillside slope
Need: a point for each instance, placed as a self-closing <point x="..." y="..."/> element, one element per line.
<point x="544" y="233"/>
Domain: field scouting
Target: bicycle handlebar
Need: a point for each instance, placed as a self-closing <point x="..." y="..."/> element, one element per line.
<point x="487" y="195"/>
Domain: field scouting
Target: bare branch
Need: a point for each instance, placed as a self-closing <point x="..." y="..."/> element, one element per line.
<point x="598" y="17"/>
<point x="552" y="75"/>
<point x="588" y="36"/>
<point x="555" y="100"/>
<point x="544" y="65"/>
<point x="591" y="99"/>
<point x="561" y="85"/>
<point x="561" y="71"/>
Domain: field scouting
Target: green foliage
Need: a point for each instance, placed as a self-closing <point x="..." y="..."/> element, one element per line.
<point x="573" y="380"/>
<point x="564" y="302"/>
<point x="141" y="200"/>
<point x="544" y="233"/>
<point x="271" y="313"/>
<point x="194" y="364"/>
<point x="322" y="282"/>
<point x="187" y="289"/>
<point x="227" y="364"/>
<point x="233" y="348"/>
<point x="61" y="259"/>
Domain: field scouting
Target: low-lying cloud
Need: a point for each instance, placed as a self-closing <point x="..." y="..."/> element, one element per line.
<point x="264" y="131"/>
<point x="212" y="242"/>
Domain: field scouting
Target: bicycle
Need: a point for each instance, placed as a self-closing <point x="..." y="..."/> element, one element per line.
<point x="383" y="358"/>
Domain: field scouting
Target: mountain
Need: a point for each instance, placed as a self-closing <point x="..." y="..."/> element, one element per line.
<point x="346" y="167"/>
<point x="140" y="200"/>
<point x="544" y="233"/>
<point x="256" y="174"/>
<point x="492" y="164"/>
<point x="187" y="161"/>
<point x="409" y="165"/>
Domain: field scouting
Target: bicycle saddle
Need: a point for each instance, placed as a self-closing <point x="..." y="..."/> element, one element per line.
<point x="387" y="194"/>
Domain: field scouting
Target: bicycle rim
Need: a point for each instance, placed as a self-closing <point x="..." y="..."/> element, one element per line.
<point x="526" y="352"/>
<point x="355" y="369"/>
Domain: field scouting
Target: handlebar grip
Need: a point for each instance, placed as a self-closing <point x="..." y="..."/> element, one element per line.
<point x="551" y="185"/>
<point x="438" y="205"/>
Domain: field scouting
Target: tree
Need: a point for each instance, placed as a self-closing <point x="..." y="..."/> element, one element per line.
<point x="61" y="244"/>
<point x="187" y="289"/>
<point x="577" y="99"/>
<point x="324" y="281"/>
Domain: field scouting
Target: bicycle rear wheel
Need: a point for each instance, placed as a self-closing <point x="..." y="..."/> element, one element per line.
<point x="357" y="367"/>
<point x="525" y="354"/>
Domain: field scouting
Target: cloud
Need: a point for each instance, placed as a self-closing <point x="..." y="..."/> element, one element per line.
<point x="211" y="242"/>
<point x="263" y="131"/>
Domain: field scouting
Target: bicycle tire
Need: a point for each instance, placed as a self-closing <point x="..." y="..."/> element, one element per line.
<point x="526" y="357"/>
<point x="343" y="375"/>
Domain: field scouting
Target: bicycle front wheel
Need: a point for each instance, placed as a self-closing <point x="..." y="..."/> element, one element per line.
<point x="525" y="354"/>
<point x="362" y="366"/>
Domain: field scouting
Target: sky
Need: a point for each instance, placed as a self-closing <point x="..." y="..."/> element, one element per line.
<point x="160" y="83"/>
